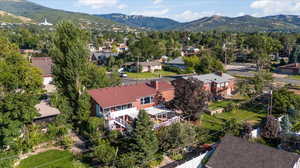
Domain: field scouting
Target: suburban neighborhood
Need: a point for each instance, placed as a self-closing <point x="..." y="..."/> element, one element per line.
<point x="83" y="89"/>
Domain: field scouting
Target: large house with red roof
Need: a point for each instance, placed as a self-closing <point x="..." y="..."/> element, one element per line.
<point x="120" y="105"/>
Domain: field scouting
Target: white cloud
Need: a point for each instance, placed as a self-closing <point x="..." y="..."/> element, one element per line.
<point x="189" y="15"/>
<point x="155" y="13"/>
<point x="122" y="6"/>
<point x="155" y="2"/>
<point x="98" y="3"/>
<point x="274" y="7"/>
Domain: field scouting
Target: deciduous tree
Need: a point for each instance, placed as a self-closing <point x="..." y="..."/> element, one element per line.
<point x="190" y="97"/>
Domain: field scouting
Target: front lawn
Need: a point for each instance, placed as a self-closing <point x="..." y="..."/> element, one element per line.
<point x="49" y="159"/>
<point x="145" y="75"/>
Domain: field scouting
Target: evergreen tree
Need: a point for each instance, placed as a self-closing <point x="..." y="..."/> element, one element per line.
<point x="286" y="125"/>
<point x="144" y="142"/>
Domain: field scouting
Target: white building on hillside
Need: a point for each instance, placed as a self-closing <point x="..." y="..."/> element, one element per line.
<point x="46" y="23"/>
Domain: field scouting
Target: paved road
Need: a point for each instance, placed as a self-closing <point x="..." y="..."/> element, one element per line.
<point x="246" y="70"/>
<point x="251" y="72"/>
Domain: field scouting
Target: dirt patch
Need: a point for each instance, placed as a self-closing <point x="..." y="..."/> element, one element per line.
<point x="275" y="75"/>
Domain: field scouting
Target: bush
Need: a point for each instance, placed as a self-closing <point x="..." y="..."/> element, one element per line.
<point x="172" y="69"/>
<point x="176" y="136"/>
<point x="67" y="142"/>
<point x="158" y="159"/>
<point x="77" y="164"/>
<point x="230" y="107"/>
<point x="176" y="156"/>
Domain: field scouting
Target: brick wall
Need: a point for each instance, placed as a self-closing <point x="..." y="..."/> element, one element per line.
<point x="168" y="95"/>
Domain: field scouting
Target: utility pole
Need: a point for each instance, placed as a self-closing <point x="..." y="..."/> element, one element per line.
<point x="271" y="102"/>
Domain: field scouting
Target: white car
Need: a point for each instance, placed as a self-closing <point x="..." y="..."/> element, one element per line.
<point x="123" y="75"/>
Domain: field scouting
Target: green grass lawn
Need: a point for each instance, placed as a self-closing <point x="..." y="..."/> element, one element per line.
<point x="149" y="74"/>
<point x="222" y="104"/>
<point x="49" y="159"/>
<point x="295" y="77"/>
<point x="216" y="122"/>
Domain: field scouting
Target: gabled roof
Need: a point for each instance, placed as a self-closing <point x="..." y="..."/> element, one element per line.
<point x="212" y="77"/>
<point x="152" y="63"/>
<point x="234" y="152"/>
<point x="291" y="66"/>
<point x="44" y="64"/>
<point x="120" y="95"/>
<point x="178" y="61"/>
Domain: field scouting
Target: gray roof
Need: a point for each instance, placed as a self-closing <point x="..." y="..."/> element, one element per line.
<point x="104" y="54"/>
<point x="212" y="77"/>
<point x="234" y="152"/>
<point x="44" y="64"/>
<point x="178" y="60"/>
<point x="152" y="63"/>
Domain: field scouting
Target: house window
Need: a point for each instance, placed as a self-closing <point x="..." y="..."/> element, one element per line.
<point x="118" y="108"/>
<point x="147" y="100"/>
<point x="106" y="110"/>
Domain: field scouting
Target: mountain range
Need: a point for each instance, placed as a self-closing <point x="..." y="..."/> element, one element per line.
<point x="279" y="23"/>
<point x="38" y="12"/>
<point x="23" y="10"/>
<point x="143" y="22"/>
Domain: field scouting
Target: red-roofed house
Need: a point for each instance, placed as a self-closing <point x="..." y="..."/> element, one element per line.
<point x="45" y="65"/>
<point x="120" y="105"/>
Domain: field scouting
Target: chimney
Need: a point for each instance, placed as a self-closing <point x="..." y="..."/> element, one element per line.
<point x="219" y="73"/>
<point x="155" y="84"/>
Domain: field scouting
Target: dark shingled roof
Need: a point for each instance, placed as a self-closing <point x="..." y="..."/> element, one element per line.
<point x="235" y="152"/>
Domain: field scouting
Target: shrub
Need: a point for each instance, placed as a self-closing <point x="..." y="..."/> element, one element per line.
<point x="67" y="142"/>
<point x="172" y="69"/>
<point x="176" y="156"/>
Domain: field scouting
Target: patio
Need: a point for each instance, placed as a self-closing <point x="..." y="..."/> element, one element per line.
<point x="162" y="116"/>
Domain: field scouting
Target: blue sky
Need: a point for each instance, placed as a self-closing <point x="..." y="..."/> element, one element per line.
<point x="181" y="10"/>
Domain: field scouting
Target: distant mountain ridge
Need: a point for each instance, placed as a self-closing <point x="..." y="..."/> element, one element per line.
<point x="140" y="21"/>
<point x="247" y="23"/>
<point x="38" y="12"/>
<point x="21" y="10"/>
<point x="242" y="24"/>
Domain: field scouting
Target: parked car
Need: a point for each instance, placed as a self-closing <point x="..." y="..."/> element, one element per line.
<point x="123" y="75"/>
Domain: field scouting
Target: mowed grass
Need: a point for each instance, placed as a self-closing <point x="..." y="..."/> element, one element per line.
<point x="222" y="104"/>
<point x="49" y="159"/>
<point x="217" y="121"/>
<point x="295" y="77"/>
<point x="145" y="75"/>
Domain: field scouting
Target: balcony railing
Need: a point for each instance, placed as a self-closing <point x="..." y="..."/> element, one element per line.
<point x="132" y="112"/>
<point x="169" y="122"/>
